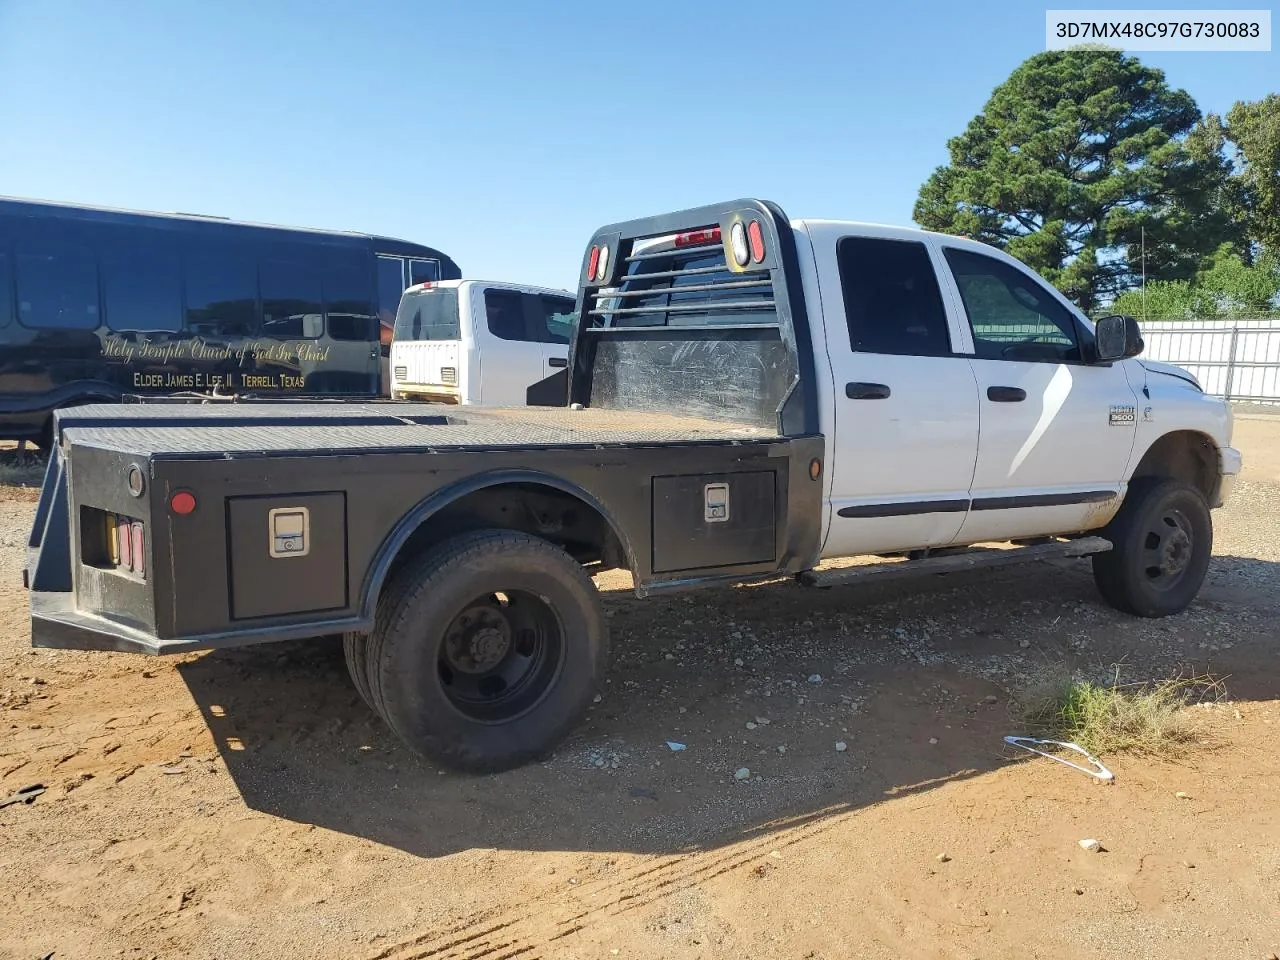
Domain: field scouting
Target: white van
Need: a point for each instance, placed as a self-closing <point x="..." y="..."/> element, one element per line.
<point x="473" y="341"/>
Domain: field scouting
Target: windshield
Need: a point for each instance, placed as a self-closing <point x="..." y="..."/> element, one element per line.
<point x="430" y="315"/>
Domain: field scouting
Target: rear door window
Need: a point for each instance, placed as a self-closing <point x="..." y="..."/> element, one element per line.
<point x="551" y="319"/>
<point x="892" y="302"/>
<point x="57" y="287"/>
<point x="429" y="316"/>
<point x="505" y="315"/>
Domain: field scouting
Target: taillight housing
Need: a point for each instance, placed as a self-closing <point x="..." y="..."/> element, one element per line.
<point x="593" y="262"/>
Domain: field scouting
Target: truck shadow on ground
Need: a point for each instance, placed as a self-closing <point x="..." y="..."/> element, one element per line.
<point x="919" y="681"/>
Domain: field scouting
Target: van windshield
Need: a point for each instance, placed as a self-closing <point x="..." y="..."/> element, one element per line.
<point x="429" y="316"/>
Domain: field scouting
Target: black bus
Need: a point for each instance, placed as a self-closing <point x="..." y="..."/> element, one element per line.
<point x="100" y="304"/>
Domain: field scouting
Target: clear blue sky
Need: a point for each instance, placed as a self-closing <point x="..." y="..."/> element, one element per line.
<point x="505" y="132"/>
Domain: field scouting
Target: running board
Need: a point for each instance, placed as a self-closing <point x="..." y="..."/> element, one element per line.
<point x="955" y="562"/>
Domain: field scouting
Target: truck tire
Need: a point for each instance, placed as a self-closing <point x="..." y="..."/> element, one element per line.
<point x="1162" y="540"/>
<point x="487" y="650"/>
<point x="353" y="650"/>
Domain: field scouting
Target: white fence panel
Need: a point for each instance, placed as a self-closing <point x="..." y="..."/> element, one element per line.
<point x="1235" y="359"/>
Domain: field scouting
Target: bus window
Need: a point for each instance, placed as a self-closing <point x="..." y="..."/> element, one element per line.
<point x="6" y="290"/>
<point x="423" y="271"/>
<point x="291" y="308"/>
<point x="390" y="285"/>
<point x="222" y="295"/>
<point x="57" y="288"/>
<point x="141" y="286"/>
<point x="350" y="310"/>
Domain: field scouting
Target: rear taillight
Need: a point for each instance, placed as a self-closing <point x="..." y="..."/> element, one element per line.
<point x="602" y="266"/>
<point x="124" y="542"/>
<point x="738" y="244"/>
<point x="138" y="547"/>
<point x="593" y="263"/>
<point x="182" y="502"/>
<point x="755" y="236"/>
<point x="698" y="238"/>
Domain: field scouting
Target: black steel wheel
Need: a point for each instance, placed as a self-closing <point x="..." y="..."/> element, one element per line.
<point x="1162" y="542"/>
<point x="487" y="650"/>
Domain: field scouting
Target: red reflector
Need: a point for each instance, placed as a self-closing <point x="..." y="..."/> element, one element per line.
<point x="698" y="238"/>
<point x="139" y="554"/>
<point x="124" y="541"/>
<point x="755" y="236"/>
<point x="595" y="262"/>
<point x="182" y="503"/>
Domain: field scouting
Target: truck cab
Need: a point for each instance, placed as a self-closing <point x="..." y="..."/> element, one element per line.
<point x="967" y="402"/>
<point x="479" y="342"/>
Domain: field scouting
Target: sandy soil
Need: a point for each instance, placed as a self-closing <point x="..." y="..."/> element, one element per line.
<point x="246" y="804"/>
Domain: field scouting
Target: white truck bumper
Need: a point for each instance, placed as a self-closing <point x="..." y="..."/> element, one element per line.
<point x="1229" y="464"/>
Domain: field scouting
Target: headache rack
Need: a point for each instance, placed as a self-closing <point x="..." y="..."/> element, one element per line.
<point x="698" y="312"/>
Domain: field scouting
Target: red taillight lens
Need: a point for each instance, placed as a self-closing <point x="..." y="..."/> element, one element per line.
<point x="755" y="236"/>
<point x="593" y="263"/>
<point x="698" y="238"/>
<point x="137" y="547"/>
<point x="182" y="503"/>
<point x="124" y="541"/>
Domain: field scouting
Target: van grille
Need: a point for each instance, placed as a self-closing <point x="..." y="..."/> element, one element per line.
<point x="688" y="286"/>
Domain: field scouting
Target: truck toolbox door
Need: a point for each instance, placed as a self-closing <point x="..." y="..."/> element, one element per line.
<point x="904" y="437"/>
<point x="1056" y="430"/>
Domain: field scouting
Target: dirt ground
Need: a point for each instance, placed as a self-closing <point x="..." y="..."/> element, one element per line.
<point x="246" y="804"/>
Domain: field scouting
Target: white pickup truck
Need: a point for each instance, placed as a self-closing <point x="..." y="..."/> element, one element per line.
<point x="748" y="396"/>
<point x="474" y="341"/>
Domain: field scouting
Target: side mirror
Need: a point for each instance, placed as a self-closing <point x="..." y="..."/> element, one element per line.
<point x="1117" y="338"/>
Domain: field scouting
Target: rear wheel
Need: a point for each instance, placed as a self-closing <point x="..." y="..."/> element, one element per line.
<point x="486" y="651"/>
<point x="1162" y="542"/>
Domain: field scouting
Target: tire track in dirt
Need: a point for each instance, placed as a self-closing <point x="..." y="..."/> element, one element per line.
<point x="525" y="930"/>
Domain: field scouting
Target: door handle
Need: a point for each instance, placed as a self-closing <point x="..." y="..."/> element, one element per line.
<point x="866" y="391"/>
<point x="558" y="362"/>
<point x="1006" y="394"/>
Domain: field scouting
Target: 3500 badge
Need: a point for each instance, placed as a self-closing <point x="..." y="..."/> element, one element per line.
<point x="1122" y="413"/>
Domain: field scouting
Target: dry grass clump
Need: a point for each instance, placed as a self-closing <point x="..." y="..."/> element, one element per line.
<point x="1153" y="718"/>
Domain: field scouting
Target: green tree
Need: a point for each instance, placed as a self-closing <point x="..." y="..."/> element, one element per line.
<point x="1072" y="159"/>
<point x="1254" y="129"/>
<point x="1226" y="286"/>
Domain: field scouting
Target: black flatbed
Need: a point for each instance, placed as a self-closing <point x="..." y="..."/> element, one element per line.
<point x="221" y="430"/>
